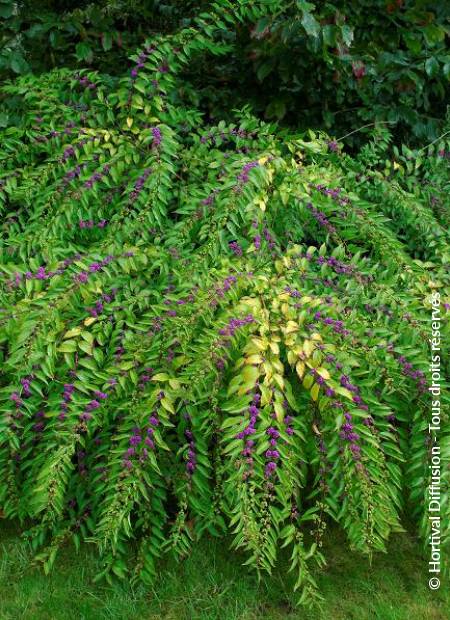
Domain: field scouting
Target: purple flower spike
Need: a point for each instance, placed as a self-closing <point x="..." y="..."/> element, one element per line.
<point x="157" y="136"/>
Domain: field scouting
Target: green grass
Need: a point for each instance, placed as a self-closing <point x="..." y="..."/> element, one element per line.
<point x="212" y="584"/>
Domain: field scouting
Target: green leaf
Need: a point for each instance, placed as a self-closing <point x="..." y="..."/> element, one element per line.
<point x="431" y="66"/>
<point x="413" y="41"/>
<point x="107" y="41"/>
<point x="310" y="24"/>
<point x="347" y="35"/>
<point x="446" y="70"/>
<point x="69" y="346"/>
<point x="262" y="24"/>
<point x="84" y="52"/>
<point x="265" y="68"/>
<point x="329" y="35"/>
<point x="161" y="376"/>
<point x="276" y="109"/>
<point x="6" y="9"/>
<point x="18" y="63"/>
<point x="249" y="375"/>
<point x="433" y="34"/>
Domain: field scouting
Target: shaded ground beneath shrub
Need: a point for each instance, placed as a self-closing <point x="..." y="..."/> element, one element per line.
<point x="212" y="584"/>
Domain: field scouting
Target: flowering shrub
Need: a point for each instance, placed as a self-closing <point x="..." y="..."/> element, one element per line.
<point x="211" y="328"/>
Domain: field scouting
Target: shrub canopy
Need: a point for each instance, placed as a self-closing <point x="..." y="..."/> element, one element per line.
<point x="212" y="326"/>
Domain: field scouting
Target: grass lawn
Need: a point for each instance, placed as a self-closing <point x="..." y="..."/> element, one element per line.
<point x="211" y="584"/>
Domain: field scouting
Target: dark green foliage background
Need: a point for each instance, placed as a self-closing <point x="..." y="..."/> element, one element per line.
<point x="299" y="63"/>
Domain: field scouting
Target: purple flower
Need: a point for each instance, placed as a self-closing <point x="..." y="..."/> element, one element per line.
<point x="272" y="454"/>
<point x="333" y="146"/>
<point x="157" y="137"/>
<point x="272" y="432"/>
<point x="208" y="200"/>
<point x="235" y="248"/>
<point x="101" y="395"/>
<point x="93" y="404"/>
<point x="270" y="468"/>
<point x="81" y="277"/>
<point x="243" y="175"/>
<point x="15" y="398"/>
<point x="191" y="454"/>
<point x="321" y="218"/>
<point x="40" y="273"/>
